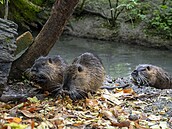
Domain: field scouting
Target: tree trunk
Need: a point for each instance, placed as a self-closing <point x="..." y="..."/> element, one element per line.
<point x="6" y="10"/>
<point x="47" y="37"/>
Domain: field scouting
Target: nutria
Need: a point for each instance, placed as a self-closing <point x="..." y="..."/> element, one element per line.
<point x="85" y="74"/>
<point x="151" y="75"/>
<point x="47" y="72"/>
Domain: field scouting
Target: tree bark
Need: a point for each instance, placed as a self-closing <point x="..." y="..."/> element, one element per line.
<point x="47" y="37"/>
<point x="6" y="10"/>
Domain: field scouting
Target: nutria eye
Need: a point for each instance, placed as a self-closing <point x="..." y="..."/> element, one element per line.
<point x="43" y="64"/>
<point x="50" y="60"/>
<point x="80" y="69"/>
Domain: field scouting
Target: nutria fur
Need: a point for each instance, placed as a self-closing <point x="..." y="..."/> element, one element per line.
<point x="151" y="75"/>
<point x="47" y="72"/>
<point x="85" y="74"/>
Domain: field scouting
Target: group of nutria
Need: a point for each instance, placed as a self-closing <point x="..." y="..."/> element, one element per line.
<point x="86" y="74"/>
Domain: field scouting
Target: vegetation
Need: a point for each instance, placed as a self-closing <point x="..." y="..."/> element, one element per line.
<point x="157" y="15"/>
<point x="161" y="20"/>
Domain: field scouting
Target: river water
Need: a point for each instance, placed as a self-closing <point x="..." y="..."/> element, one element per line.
<point x="119" y="59"/>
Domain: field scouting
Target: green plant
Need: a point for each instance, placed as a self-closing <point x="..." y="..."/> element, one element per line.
<point x="137" y="10"/>
<point x="162" y="19"/>
<point x="115" y="9"/>
<point x="130" y="8"/>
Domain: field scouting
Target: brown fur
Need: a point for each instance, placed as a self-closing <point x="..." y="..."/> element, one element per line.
<point x="47" y="72"/>
<point x="146" y="74"/>
<point x="86" y="74"/>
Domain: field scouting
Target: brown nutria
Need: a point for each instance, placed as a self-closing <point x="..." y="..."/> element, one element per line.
<point x="151" y="75"/>
<point x="85" y="74"/>
<point x="47" y="72"/>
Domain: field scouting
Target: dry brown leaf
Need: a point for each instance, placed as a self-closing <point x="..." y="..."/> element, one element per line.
<point x="27" y="113"/>
<point x="13" y="119"/>
<point x="115" y="112"/>
<point x="128" y="90"/>
<point x="91" y="102"/>
<point x="32" y="123"/>
<point x="121" y="124"/>
<point x="109" y="115"/>
<point x="138" y="126"/>
<point x="154" y="118"/>
<point x="59" y="122"/>
<point x="112" y="98"/>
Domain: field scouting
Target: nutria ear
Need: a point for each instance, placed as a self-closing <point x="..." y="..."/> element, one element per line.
<point x="80" y="69"/>
<point x="50" y="60"/>
<point x="148" y="68"/>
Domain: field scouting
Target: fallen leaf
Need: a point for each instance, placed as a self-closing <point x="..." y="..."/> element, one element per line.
<point x="155" y="127"/>
<point x="139" y="126"/>
<point x="91" y="102"/>
<point x="27" y="113"/>
<point x="163" y="125"/>
<point x="14" y="119"/>
<point x="115" y="112"/>
<point x="112" y="99"/>
<point x="121" y="124"/>
<point x="109" y="115"/>
<point x="128" y="90"/>
<point x="42" y="126"/>
<point x="33" y="100"/>
<point x="16" y="126"/>
<point x="32" y="124"/>
<point x="59" y="122"/>
<point x="154" y="118"/>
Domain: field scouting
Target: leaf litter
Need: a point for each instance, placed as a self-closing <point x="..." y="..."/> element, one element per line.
<point x="129" y="108"/>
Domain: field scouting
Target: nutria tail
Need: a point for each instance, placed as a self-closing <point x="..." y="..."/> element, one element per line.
<point x="85" y="74"/>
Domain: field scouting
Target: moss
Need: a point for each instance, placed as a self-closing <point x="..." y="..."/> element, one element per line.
<point x="38" y="2"/>
<point x="27" y="10"/>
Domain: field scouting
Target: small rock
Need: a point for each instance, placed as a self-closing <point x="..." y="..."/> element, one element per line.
<point x="133" y="117"/>
<point x="23" y="41"/>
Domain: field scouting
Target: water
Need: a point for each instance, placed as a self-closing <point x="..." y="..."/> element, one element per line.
<point x="119" y="59"/>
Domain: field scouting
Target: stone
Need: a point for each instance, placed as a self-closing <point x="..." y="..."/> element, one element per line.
<point x="8" y="33"/>
<point x="23" y="41"/>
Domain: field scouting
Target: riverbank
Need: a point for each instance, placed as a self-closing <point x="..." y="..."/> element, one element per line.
<point x="145" y="23"/>
<point x="93" y="27"/>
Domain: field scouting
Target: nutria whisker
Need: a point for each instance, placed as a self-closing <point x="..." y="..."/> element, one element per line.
<point x="143" y="79"/>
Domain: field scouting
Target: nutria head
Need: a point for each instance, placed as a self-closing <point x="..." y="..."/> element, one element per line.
<point x="150" y="75"/>
<point x="47" y="71"/>
<point x="76" y="81"/>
